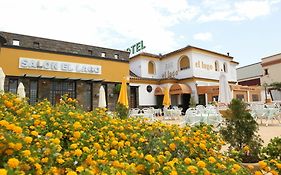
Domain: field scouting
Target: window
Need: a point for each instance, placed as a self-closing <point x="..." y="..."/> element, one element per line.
<point x="16" y="42"/>
<point x="90" y="52"/>
<point x="255" y="97"/>
<point x="13" y="86"/>
<point x="148" y="88"/>
<point x="151" y="67"/>
<point x="36" y="45"/>
<point x="184" y="63"/>
<point x="240" y="97"/>
<point x="33" y="92"/>
<point x="116" y="56"/>
<point x="265" y="71"/>
<point x="217" y="67"/>
<point x="103" y="54"/>
<point x="224" y="67"/>
<point x="59" y="88"/>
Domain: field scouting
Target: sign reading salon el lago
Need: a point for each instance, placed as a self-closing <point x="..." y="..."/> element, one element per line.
<point x="50" y="65"/>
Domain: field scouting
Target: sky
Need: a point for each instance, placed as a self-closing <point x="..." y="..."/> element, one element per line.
<point x="248" y="29"/>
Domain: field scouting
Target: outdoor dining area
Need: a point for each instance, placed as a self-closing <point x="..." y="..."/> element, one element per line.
<point x="210" y="114"/>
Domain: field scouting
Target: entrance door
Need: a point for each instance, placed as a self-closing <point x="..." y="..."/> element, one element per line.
<point x="202" y="99"/>
<point x="133" y="96"/>
<point x="185" y="101"/>
<point x="159" y="101"/>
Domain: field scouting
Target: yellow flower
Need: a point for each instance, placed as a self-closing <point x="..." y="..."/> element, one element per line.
<point x="44" y="160"/>
<point x="18" y="146"/>
<point x="212" y="159"/>
<point x="100" y="153"/>
<point x="76" y="134"/>
<point x="77" y="125"/>
<point x="174" y="172"/>
<point x="187" y="161"/>
<point x="26" y="153"/>
<point x="202" y="146"/>
<point x="37" y="166"/>
<point x="262" y="164"/>
<point x="56" y="141"/>
<point x="71" y="173"/>
<point x="17" y="129"/>
<point x="73" y="146"/>
<point x="49" y="134"/>
<point x="35" y="133"/>
<point x="97" y="146"/>
<point x="113" y="152"/>
<point x="140" y="168"/>
<point x="172" y="146"/>
<point x="60" y="161"/>
<point x="192" y="169"/>
<point x="273" y="172"/>
<point x="13" y="162"/>
<point x="278" y="165"/>
<point x="258" y="173"/>
<point x="78" y="152"/>
<point x="236" y="167"/>
<point x="80" y="169"/>
<point x="3" y="171"/>
<point x="149" y="158"/>
<point x="85" y="149"/>
<point x="201" y="164"/>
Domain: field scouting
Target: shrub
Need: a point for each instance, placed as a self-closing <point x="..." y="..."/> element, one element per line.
<point x="273" y="149"/>
<point x="240" y="132"/>
<point x="122" y="111"/>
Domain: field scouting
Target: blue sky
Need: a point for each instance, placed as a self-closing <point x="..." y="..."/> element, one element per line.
<point x="247" y="29"/>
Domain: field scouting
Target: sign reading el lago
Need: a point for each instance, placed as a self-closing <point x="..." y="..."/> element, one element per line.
<point x="49" y="65"/>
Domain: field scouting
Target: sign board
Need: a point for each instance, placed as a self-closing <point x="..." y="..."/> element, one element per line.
<point x="50" y="65"/>
<point x="136" y="48"/>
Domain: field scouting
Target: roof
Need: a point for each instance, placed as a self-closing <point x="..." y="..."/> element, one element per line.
<point x="179" y="50"/>
<point x="271" y="56"/>
<point x="62" y="47"/>
<point x="249" y="71"/>
<point x="249" y="65"/>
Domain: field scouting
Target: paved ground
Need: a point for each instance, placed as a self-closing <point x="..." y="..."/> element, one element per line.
<point x="266" y="132"/>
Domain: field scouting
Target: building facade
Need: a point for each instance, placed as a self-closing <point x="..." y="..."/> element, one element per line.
<point x="271" y="73"/>
<point x="50" y="68"/>
<point x="250" y="75"/>
<point x="187" y="72"/>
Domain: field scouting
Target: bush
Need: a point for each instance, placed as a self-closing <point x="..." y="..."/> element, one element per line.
<point x="122" y="111"/>
<point x="240" y="133"/>
<point x="273" y="149"/>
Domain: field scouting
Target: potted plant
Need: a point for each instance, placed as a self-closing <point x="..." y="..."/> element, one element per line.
<point x="240" y="132"/>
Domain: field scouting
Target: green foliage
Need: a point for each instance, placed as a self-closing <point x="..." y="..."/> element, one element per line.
<point x="276" y="85"/>
<point x="192" y="102"/>
<point x="273" y="149"/>
<point x="122" y="111"/>
<point x="117" y="89"/>
<point x="241" y="131"/>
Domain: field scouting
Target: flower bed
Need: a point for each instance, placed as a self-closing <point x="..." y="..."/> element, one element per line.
<point x="63" y="139"/>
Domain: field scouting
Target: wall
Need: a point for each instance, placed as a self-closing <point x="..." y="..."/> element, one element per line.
<point x="146" y="98"/>
<point x="112" y="71"/>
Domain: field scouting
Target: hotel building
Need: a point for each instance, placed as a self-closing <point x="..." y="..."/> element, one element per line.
<point x="50" y="68"/>
<point x="187" y="72"/>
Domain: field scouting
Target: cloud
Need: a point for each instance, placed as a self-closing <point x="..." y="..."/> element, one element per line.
<point x="106" y="23"/>
<point x="222" y="10"/>
<point x="206" y="36"/>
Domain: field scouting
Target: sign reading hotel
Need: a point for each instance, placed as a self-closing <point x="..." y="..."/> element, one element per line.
<point x="136" y="48"/>
<point x="49" y="65"/>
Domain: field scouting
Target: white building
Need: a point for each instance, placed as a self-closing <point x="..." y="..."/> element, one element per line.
<point x="187" y="72"/>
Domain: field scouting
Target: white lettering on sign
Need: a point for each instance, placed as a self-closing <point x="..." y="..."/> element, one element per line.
<point x="49" y="65"/>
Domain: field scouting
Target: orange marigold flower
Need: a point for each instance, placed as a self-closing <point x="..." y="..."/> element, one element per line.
<point x="262" y="164"/>
<point x="76" y="134"/>
<point x="26" y="153"/>
<point x="258" y="173"/>
<point x="34" y="133"/>
<point x="212" y="159"/>
<point x="78" y="152"/>
<point x="173" y="146"/>
<point x="192" y="169"/>
<point x="187" y="161"/>
<point x="174" y="172"/>
<point x="13" y="162"/>
<point x="18" y="146"/>
<point x="113" y="152"/>
<point x="149" y="158"/>
<point x="201" y="164"/>
<point x="28" y="139"/>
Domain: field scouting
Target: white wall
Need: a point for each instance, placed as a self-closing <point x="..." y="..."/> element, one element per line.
<point x="135" y="66"/>
<point x="146" y="98"/>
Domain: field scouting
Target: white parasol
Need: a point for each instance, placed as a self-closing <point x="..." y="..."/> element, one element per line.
<point x="102" y="100"/>
<point x="21" y="91"/>
<point x="2" y="80"/>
